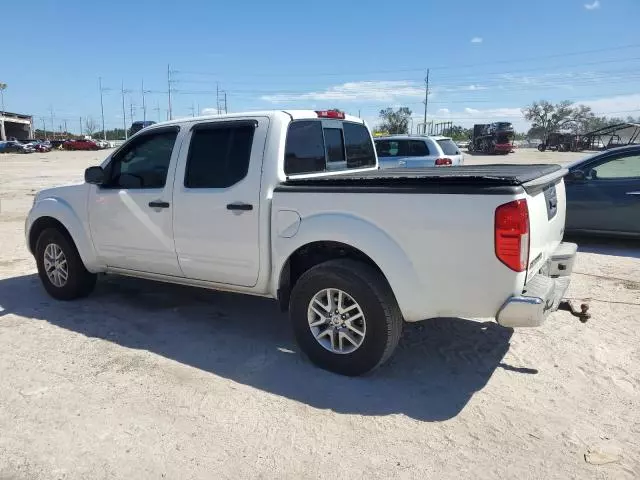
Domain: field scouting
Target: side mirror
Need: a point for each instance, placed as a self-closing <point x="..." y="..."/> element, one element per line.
<point x="94" y="175"/>
<point x="577" y="176"/>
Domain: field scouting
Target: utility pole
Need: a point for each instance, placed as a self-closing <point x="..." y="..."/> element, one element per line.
<point x="65" y="127"/>
<point x="80" y="126"/>
<point x="193" y="110"/>
<point x="124" y="114"/>
<point x="53" y="127"/>
<point x="144" y="105"/>
<point x="44" y="128"/>
<point x="131" y="109"/>
<point x="157" y="109"/>
<point x="217" y="98"/>
<point x="169" y="85"/>
<point x="426" y="100"/>
<point x="225" y="102"/>
<point x="359" y="114"/>
<point x="104" y="133"/>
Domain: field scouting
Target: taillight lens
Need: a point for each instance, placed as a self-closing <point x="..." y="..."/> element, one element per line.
<point x="440" y="162"/>
<point x="330" y="114"/>
<point x="512" y="234"/>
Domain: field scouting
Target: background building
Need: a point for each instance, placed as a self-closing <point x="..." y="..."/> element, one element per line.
<point x="15" y="125"/>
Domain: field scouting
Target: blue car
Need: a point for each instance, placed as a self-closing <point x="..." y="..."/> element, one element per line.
<point x="603" y="193"/>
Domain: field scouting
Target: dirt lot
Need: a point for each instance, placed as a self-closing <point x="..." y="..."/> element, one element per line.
<point x="153" y="381"/>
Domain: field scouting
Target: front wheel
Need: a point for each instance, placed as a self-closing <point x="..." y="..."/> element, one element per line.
<point x="60" y="267"/>
<point x="345" y="317"/>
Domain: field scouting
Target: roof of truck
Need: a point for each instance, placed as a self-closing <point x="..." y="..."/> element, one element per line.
<point x="294" y="114"/>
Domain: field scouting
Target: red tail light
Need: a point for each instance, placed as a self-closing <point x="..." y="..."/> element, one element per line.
<point x="330" y="114"/>
<point x="512" y="234"/>
<point x="440" y="162"/>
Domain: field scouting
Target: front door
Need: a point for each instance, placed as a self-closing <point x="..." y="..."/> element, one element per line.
<point x="608" y="200"/>
<point x="131" y="215"/>
<point x="217" y="201"/>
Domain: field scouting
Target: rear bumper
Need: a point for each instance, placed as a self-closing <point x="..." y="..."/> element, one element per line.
<point x="543" y="294"/>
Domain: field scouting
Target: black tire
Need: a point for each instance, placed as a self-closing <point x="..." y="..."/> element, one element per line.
<point x="79" y="283"/>
<point x="371" y="291"/>
<point x="542" y="147"/>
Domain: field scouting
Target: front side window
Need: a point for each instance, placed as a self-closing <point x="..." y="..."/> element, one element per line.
<point x="144" y="163"/>
<point x="627" y="167"/>
<point x="219" y="155"/>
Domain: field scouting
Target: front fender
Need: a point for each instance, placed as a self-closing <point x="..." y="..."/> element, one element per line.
<point x="370" y="240"/>
<point x="60" y="210"/>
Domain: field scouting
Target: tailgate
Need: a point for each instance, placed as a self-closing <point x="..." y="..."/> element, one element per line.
<point x="547" y="210"/>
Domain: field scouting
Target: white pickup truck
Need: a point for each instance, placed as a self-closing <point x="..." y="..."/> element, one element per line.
<point x="291" y="205"/>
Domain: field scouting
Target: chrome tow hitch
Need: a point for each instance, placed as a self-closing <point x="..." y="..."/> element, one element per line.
<point x="582" y="314"/>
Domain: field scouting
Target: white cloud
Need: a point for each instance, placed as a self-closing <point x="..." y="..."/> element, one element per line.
<point x="476" y="40"/>
<point x="592" y="6"/>
<point x="610" y="106"/>
<point x="383" y="91"/>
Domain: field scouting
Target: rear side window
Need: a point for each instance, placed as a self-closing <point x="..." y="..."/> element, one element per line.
<point x="417" y="148"/>
<point x="448" y="147"/>
<point x="218" y="155"/>
<point x="312" y="149"/>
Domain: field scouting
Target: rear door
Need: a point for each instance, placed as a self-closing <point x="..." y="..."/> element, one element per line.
<point x="387" y="151"/>
<point x="217" y="201"/>
<point x="608" y="200"/>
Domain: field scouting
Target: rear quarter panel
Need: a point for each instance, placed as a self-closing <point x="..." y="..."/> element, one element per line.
<point x="436" y="250"/>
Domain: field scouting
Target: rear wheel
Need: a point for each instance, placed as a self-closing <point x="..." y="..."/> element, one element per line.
<point x="345" y="317"/>
<point x="542" y="147"/>
<point x="60" y="267"/>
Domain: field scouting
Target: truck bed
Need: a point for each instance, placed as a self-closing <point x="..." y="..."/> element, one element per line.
<point x="498" y="179"/>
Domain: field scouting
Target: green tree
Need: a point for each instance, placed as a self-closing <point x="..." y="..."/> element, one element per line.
<point x="394" y="121"/>
<point x="545" y="117"/>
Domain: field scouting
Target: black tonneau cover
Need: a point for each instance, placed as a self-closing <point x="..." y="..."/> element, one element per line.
<point x="498" y="179"/>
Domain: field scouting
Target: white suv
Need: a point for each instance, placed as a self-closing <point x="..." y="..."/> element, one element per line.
<point x="417" y="151"/>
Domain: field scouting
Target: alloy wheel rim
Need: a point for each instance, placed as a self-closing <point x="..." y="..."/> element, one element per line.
<point x="336" y="321"/>
<point x="55" y="265"/>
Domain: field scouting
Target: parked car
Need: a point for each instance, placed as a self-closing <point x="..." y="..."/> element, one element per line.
<point x="102" y="144"/>
<point x="38" y="145"/>
<point x="603" y="193"/>
<point x="80" y="144"/>
<point x="13" y="146"/>
<point x="417" y="151"/>
<point x="291" y="205"/>
<point x="139" y="125"/>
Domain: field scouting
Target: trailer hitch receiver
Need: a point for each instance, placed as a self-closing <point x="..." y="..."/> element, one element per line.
<point x="582" y="314"/>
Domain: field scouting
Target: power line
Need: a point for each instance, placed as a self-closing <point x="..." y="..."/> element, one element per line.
<point x="417" y="69"/>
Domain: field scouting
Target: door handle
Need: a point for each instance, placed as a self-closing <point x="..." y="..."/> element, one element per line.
<point x="158" y="204"/>
<point x="633" y="193"/>
<point x="240" y="206"/>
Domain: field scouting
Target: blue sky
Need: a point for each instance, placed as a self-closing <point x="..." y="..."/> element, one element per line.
<point x="487" y="59"/>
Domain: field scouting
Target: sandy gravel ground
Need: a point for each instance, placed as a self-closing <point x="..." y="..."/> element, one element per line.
<point x="146" y="381"/>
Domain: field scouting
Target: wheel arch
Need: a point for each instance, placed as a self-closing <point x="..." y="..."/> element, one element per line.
<point x="55" y="213"/>
<point x="349" y="237"/>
